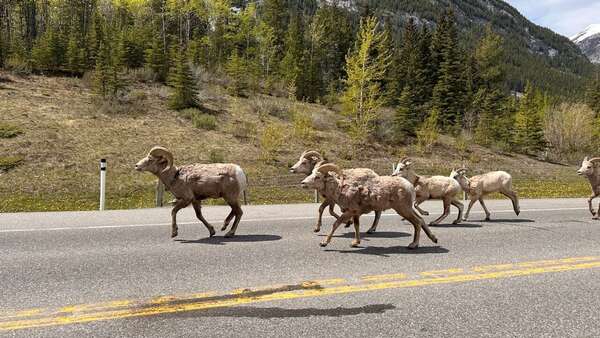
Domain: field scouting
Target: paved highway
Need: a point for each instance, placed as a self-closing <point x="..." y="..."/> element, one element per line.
<point x="117" y="274"/>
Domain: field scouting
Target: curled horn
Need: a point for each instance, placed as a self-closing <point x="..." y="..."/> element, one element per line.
<point x="306" y="154"/>
<point x="164" y="153"/>
<point x="462" y="170"/>
<point x="595" y="159"/>
<point x="326" y="168"/>
<point x="404" y="160"/>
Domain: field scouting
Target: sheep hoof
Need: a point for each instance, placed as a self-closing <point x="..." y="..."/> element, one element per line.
<point x="347" y="225"/>
<point x="224" y="227"/>
<point x="488" y="219"/>
<point x="456" y="222"/>
<point x="323" y="244"/>
<point x="434" y="239"/>
<point x="425" y="213"/>
<point x="212" y="232"/>
<point x="229" y="235"/>
<point x="173" y="235"/>
<point x="413" y="246"/>
<point x="355" y="244"/>
<point x="518" y="212"/>
<point x="596" y="217"/>
<point x="371" y="231"/>
<point x="316" y="229"/>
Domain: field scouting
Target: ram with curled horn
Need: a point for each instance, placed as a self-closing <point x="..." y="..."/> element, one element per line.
<point x="192" y="183"/>
<point x="590" y="168"/>
<point x="357" y="197"/>
<point x="311" y="159"/>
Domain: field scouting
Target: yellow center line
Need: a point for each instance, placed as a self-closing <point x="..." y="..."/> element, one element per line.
<point x="392" y="276"/>
<point x="440" y="273"/>
<point x="248" y="297"/>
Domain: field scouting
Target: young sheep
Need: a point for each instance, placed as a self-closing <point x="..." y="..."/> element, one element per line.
<point x="305" y="165"/>
<point x="590" y="168"/>
<point x="435" y="187"/>
<point x="356" y="198"/>
<point x="478" y="186"/>
<point x="196" y="182"/>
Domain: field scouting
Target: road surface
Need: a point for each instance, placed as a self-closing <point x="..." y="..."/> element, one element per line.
<point x="117" y="274"/>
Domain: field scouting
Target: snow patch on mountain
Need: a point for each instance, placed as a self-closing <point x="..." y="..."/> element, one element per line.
<point x="590" y="31"/>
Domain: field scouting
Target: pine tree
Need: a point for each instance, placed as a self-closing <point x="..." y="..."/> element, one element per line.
<point x="291" y="67"/>
<point x="428" y="132"/>
<point x="593" y="94"/>
<point x="3" y="49"/>
<point x="448" y="93"/>
<point x="237" y="71"/>
<point x="117" y="83"/>
<point x="407" y="114"/>
<point x="274" y="14"/>
<point x="363" y="97"/>
<point x="75" y="56"/>
<point x="156" y="59"/>
<point x="529" y="132"/>
<point x="183" y="83"/>
<point x="267" y="51"/>
<point x="102" y="71"/>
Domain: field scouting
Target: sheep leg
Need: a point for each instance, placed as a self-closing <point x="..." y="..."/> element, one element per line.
<point x="417" y="221"/>
<point x="198" y="209"/>
<point x="513" y="198"/>
<point x="332" y="213"/>
<point x="237" y="210"/>
<point x="590" y="203"/>
<point x="320" y="219"/>
<point x="375" y="222"/>
<point x="597" y="213"/>
<point x="487" y="212"/>
<point x="227" y="220"/>
<point x="180" y="204"/>
<point x="356" y="241"/>
<point x="469" y="208"/>
<point x="460" y="207"/>
<point x="421" y="211"/>
<point x="343" y="218"/>
<point x="444" y="215"/>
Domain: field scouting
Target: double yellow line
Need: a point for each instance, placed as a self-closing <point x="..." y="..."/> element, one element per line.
<point x="33" y="318"/>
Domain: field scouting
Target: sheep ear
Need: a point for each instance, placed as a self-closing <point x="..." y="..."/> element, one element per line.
<point x="586" y="159"/>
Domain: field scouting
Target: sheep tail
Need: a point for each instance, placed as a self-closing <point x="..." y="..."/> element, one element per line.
<point x="241" y="179"/>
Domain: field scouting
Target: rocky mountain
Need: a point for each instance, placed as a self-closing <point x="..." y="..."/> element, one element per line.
<point x="589" y="42"/>
<point x="534" y="53"/>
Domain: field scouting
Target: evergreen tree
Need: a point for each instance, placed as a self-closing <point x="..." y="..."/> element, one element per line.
<point x="102" y="71"/>
<point x="593" y="94"/>
<point x="448" y="93"/>
<point x="529" y="132"/>
<point x="365" y="69"/>
<point x="236" y="70"/>
<point x="267" y="52"/>
<point x="156" y="59"/>
<point x="75" y="54"/>
<point x="407" y="114"/>
<point x="275" y="15"/>
<point x="183" y="83"/>
<point x="291" y="64"/>
<point x="3" y="49"/>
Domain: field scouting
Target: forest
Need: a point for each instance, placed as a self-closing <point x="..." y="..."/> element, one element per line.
<point x="438" y="75"/>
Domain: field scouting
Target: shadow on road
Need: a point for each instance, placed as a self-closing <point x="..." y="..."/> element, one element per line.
<point x="219" y="240"/>
<point x="277" y="312"/>
<point x="394" y="250"/>
<point x="515" y="220"/>
<point x="460" y="225"/>
<point x="379" y="234"/>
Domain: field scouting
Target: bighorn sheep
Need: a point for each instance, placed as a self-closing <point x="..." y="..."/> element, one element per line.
<point x="478" y="186"/>
<point x="356" y="198"/>
<point x="196" y="182"/>
<point x="435" y="187"/>
<point x="590" y="168"/>
<point x="305" y="165"/>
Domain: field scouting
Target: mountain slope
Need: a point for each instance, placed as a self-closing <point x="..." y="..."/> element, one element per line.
<point x="536" y="54"/>
<point x="589" y="42"/>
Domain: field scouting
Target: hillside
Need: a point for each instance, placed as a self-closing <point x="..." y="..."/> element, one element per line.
<point x="537" y="54"/>
<point x="63" y="133"/>
<point x="589" y="42"/>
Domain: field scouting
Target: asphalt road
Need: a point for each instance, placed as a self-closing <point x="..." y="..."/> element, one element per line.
<point x="118" y="274"/>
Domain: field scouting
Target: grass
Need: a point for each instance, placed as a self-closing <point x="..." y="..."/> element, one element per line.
<point x="53" y="163"/>
<point x="9" y="130"/>
<point x="9" y="162"/>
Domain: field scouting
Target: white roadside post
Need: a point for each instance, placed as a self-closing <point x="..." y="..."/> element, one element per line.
<point x="102" y="183"/>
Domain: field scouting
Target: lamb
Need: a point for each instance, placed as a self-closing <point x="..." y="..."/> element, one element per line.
<point x="478" y="186"/>
<point x="196" y="182"/>
<point x="305" y="165"/>
<point x="590" y="168"/>
<point x="434" y="187"/>
<point x="378" y="193"/>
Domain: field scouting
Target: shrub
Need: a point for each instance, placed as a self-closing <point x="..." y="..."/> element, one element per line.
<point x="428" y="133"/>
<point x="9" y="130"/>
<point x="303" y="127"/>
<point x="244" y="129"/>
<point x="204" y="121"/>
<point x="271" y="141"/>
<point x="9" y="162"/>
<point x="569" y="131"/>
<point x="216" y="156"/>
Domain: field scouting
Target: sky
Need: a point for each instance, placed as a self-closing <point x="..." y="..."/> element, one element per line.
<point x="566" y="17"/>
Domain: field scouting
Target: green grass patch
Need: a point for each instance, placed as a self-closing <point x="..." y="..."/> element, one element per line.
<point x="9" y="162"/>
<point x="9" y="130"/>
